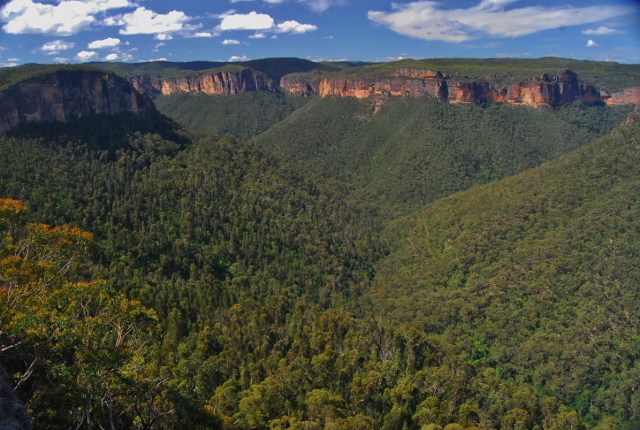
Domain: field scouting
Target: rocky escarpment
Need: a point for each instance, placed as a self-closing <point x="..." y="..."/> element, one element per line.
<point x="300" y="87"/>
<point x="68" y="94"/>
<point x="224" y="82"/>
<point x="547" y="90"/>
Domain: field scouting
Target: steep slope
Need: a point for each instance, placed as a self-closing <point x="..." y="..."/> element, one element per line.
<point x="63" y="94"/>
<point x="415" y="150"/>
<point x="536" y="276"/>
<point x="243" y="115"/>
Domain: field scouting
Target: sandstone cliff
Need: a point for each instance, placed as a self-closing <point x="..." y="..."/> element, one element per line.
<point x="224" y="82"/>
<point x="543" y="91"/>
<point x="68" y="94"/>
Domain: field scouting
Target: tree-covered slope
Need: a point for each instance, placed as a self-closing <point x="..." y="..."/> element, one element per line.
<point x="244" y="115"/>
<point x="536" y="276"/>
<point x="256" y="274"/>
<point x="415" y="150"/>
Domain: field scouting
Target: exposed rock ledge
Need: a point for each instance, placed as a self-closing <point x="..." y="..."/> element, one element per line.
<point x="65" y="95"/>
<point x="544" y="91"/>
<point x="13" y="412"/>
<point x="226" y="83"/>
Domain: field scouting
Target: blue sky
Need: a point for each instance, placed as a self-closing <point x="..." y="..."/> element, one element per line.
<point x="73" y="31"/>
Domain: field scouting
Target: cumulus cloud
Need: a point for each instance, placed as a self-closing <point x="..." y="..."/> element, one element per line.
<point x="8" y="64"/>
<point x="258" y="36"/>
<point x="55" y="46"/>
<point x="109" y="42"/>
<point x="602" y="31"/>
<point x="428" y="20"/>
<point x="294" y="27"/>
<point x="163" y="36"/>
<point x="591" y="44"/>
<point x="230" y="42"/>
<point x="155" y="59"/>
<point x="203" y="34"/>
<point x="66" y="18"/>
<point x="60" y="60"/>
<point x="146" y="21"/>
<point x="112" y="57"/>
<point x="86" y="55"/>
<point x="250" y="21"/>
<point x="262" y="23"/>
<point x="234" y="58"/>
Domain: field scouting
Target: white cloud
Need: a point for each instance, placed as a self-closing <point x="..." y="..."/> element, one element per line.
<point x="294" y="27"/>
<point x="250" y="21"/>
<point x="155" y="59"/>
<point x="320" y="5"/>
<point x="8" y="64"/>
<point x="230" y="42"/>
<point x="86" y="55"/>
<point x="262" y="22"/>
<point x="66" y="18"/>
<point x="55" y="46"/>
<point x="13" y="59"/>
<point x="203" y="34"/>
<point x="112" y="57"/>
<point x="316" y="5"/>
<point x="158" y="45"/>
<point x="237" y="58"/>
<point x="428" y="20"/>
<point x="60" y="60"/>
<point x="109" y="42"/>
<point x="146" y="21"/>
<point x="591" y="44"/>
<point x="602" y="31"/>
<point x="163" y="36"/>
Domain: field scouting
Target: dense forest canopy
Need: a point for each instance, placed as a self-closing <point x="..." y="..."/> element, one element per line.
<point x="331" y="273"/>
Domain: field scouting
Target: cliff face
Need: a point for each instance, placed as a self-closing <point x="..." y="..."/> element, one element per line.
<point x="65" y="95"/>
<point x="364" y="88"/>
<point x="226" y="83"/>
<point x="298" y="87"/>
<point x="544" y="91"/>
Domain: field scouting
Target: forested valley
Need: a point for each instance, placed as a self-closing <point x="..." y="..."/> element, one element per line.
<point x="418" y="265"/>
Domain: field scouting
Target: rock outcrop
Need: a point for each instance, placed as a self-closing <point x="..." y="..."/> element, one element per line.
<point x="543" y="91"/>
<point x="298" y="87"/>
<point x="626" y="97"/>
<point x="13" y="412"/>
<point x="227" y="83"/>
<point x="65" y="95"/>
<point x="365" y="88"/>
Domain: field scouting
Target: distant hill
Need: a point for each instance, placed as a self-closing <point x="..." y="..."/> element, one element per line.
<point x="272" y="67"/>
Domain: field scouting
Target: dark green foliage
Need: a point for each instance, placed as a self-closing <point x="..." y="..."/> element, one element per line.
<point x="512" y="305"/>
<point x="535" y="275"/>
<point x="242" y="115"/>
<point x="415" y="150"/>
